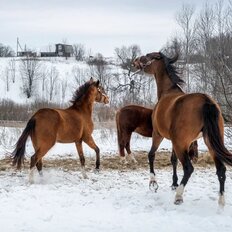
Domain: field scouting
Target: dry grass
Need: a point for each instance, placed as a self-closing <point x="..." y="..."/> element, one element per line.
<point x="109" y="162"/>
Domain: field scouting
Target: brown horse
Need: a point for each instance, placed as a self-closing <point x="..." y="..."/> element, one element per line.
<point x="180" y="117"/>
<point x="135" y="118"/>
<point x="71" y="125"/>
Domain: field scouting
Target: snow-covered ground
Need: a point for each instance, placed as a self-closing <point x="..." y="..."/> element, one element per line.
<point x="113" y="200"/>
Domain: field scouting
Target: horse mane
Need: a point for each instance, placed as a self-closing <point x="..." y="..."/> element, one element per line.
<point x="172" y="70"/>
<point x="80" y="92"/>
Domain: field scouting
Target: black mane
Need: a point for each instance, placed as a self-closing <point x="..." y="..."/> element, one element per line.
<point x="172" y="70"/>
<point x="80" y="92"/>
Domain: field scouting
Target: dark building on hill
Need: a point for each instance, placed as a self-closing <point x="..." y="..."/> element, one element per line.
<point x="63" y="50"/>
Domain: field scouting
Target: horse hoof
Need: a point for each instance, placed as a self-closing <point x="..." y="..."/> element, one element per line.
<point x="31" y="182"/>
<point x="135" y="161"/>
<point x="221" y="200"/>
<point x="178" y="201"/>
<point x="84" y="175"/>
<point x="40" y="173"/>
<point x="153" y="186"/>
<point x="96" y="170"/>
<point x="174" y="187"/>
<point x="123" y="160"/>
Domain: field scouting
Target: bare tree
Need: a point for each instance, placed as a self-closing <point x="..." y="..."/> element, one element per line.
<point x="78" y="74"/>
<point x="79" y="51"/>
<point x="185" y="20"/>
<point x="44" y="77"/>
<point x="205" y="28"/>
<point x="125" y="56"/>
<point x="6" y="51"/>
<point x="64" y="86"/>
<point x="52" y="79"/>
<point x="99" y="69"/>
<point x="12" y="69"/>
<point x="6" y="78"/>
<point x="30" y="72"/>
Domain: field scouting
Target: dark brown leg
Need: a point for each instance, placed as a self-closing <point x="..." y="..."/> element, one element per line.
<point x="90" y="142"/>
<point x="174" y="162"/>
<point x="82" y="158"/>
<point x="36" y="160"/>
<point x="39" y="166"/>
<point x="156" y="140"/>
<point x="188" y="170"/>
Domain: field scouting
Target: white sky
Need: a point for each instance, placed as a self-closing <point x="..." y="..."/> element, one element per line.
<point x="101" y="25"/>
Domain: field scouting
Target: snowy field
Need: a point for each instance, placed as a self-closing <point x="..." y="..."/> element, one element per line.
<point x="113" y="200"/>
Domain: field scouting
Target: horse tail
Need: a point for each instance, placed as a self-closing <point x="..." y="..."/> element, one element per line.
<point x="212" y="133"/>
<point x="118" y="129"/>
<point x="18" y="153"/>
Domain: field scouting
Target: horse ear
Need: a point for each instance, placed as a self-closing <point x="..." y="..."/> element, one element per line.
<point x="91" y="80"/>
<point x="97" y="83"/>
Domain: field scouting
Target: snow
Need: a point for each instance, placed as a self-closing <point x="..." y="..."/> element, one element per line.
<point x="112" y="200"/>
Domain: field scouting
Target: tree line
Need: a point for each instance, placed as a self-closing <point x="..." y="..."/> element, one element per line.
<point x="204" y="45"/>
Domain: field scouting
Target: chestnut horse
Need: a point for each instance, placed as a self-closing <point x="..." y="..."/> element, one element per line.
<point x="71" y="125"/>
<point x="135" y="118"/>
<point x="181" y="117"/>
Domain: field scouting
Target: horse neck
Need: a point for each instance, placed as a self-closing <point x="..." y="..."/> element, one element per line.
<point x="165" y="85"/>
<point x="86" y="105"/>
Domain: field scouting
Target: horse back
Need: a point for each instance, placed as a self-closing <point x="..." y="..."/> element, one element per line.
<point x="180" y="112"/>
<point x="135" y="118"/>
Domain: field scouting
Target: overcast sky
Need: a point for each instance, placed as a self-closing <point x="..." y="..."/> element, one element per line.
<point x="101" y="25"/>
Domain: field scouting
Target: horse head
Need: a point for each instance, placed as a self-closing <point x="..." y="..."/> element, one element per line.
<point x="153" y="62"/>
<point x="101" y="96"/>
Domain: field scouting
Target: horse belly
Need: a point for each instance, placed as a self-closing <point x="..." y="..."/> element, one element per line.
<point x="68" y="135"/>
<point x="147" y="132"/>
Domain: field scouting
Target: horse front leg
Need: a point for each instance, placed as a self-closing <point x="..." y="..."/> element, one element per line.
<point x="82" y="158"/>
<point x="156" y="140"/>
<point x="90" y="142"/>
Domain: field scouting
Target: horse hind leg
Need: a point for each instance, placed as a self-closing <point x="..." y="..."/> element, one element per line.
<point x="130" y="155"/>
<point x="123" y="141"/>
<point x="174" y="162"/>
<point x="122" y="153"/>
<point x="182" y="154"/>
<point x="36" y="161"/>
<point x="221" y="173"/>
<point x="39" y="166"/>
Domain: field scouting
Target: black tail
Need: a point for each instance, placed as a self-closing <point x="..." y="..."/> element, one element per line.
<point x="212" y="133"/>
<point x="18" y="153"/>
<point x="118" y="129"/>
